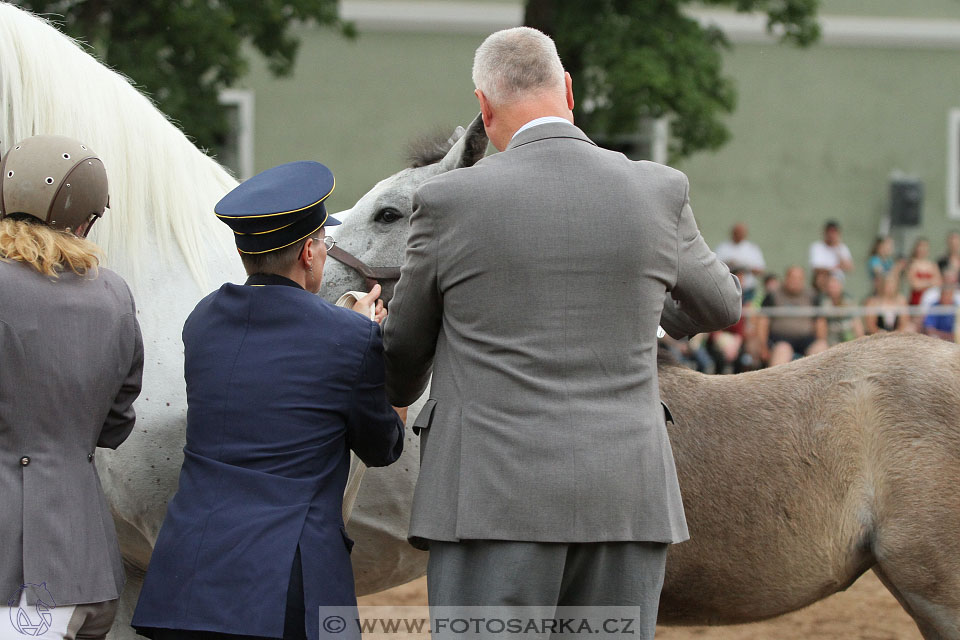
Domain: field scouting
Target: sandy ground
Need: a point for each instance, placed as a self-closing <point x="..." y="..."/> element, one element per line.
<point x="866" y="611"/>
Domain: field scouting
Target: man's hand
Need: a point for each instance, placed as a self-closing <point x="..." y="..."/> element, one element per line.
<point x="371" y="306"/>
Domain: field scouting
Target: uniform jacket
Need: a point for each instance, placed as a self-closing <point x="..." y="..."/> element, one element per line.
<point x="532" y="287"/>
<point x="71" y="359"/>
<point x="280" y="386"/>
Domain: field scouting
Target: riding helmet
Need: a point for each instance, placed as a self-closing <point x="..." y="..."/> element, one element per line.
<point x="55" y="179"/>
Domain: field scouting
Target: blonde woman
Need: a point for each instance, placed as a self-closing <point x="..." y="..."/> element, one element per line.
<point x="72" y="361"/>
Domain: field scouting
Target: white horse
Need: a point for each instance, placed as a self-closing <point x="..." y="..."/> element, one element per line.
<point x="161" y="235"/>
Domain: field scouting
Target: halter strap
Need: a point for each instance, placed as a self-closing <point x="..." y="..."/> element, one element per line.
<point x="372" y="275"/>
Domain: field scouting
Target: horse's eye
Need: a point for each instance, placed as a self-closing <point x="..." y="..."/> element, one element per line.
<point x="387" y="216"/>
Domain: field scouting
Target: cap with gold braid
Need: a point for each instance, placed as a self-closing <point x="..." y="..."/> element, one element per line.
<point x="278" y="207"/>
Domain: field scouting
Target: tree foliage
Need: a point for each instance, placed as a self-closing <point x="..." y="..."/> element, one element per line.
<point x="638" y="59"/>
<point x="183" y="52"/>
<point x="631" y="59"/>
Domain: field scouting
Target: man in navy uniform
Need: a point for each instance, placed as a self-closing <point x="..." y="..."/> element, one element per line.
<point x="281" y="385"/>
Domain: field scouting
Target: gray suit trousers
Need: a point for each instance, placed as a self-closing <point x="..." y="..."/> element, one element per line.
<point x="593" y="581"/>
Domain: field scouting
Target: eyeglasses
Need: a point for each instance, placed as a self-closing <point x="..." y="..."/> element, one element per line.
<point x="328" y="243"/>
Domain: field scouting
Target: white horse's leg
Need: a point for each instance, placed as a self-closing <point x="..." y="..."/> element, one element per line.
<point x="382" y="557"/>
<point x="355" y="476"/>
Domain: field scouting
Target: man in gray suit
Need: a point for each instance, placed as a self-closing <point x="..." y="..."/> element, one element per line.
<point x="532" y="288"/>
<point x="71" y="358"/>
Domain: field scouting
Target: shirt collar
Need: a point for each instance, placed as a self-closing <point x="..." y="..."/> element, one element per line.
<point x="539" y="121"/>
<point x="262" y="279"/>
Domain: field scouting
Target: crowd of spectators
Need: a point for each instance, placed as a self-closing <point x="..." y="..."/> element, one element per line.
<point x="805" y="312"/>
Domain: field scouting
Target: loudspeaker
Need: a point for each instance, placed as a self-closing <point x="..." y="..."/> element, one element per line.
<point x="906" y="202"/>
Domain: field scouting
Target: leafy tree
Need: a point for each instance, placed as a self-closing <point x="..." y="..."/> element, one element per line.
<point x="637" y="59"/>
<point x="182" y="52"/>
<point x="630" y="59"/>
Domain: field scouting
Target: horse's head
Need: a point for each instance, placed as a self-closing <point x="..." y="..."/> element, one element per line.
<point x="375" y="229"/>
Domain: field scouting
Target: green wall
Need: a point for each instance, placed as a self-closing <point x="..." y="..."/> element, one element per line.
<point x="893" y="8"/>
<point x="355" y="104"/>
<point x="816" y="133"/>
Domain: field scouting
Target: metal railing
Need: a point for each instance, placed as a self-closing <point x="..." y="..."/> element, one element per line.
<point x="848" y="311"/>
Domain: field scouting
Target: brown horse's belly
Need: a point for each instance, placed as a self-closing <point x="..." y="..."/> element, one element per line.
<point x="727" y="592"/>
<point x="775" y="505"/>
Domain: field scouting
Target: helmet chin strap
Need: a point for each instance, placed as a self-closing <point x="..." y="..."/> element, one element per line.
<point x="94" y="217"/>
<point x="84" y="231"/>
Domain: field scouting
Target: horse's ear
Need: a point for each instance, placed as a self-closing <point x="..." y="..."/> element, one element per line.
<point x="457" y="134"/>
<point x="469" y="147"/>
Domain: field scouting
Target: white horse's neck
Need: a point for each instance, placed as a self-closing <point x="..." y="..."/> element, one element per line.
<point x="162" y="188"/>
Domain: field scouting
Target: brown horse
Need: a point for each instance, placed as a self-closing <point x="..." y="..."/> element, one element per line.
<point x="798" y="479"/>
<point x="795" y="479"/>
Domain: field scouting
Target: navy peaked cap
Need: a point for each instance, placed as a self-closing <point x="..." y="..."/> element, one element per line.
<point x="278" y="207"/>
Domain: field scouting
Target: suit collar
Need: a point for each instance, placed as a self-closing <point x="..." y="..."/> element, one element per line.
<point x="549" y="130"/>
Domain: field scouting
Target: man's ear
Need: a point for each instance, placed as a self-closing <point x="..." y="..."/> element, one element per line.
<point x="568" y="82"/>
<point x="485" y="110"/>
<point x="307" y="255"/>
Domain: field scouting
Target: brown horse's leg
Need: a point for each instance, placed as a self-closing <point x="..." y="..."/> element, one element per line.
<point x="931" y="595"/>
<point x="925" y="630"/>
<point x="917" y="514"/>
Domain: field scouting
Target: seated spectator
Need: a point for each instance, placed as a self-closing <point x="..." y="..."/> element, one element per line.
<point x="834" y="328"/>
<point x="771" y="283"/>
<point x="881" y="262"/>
<point x="830" y="255"/>
<point x="819" y="281"/>
<point x="688" y="352"/>
<point x="951" y="259"/>
<point x="782" y="338"/>
<point x="752" y="351"/>
<point x="931" y="296"/>
<point x="922" y="272"/>
<point x="740" y="253"/>
<point x="941" y="323"/>
<point x="886" y="308"/>
<point x="730" y="348"/>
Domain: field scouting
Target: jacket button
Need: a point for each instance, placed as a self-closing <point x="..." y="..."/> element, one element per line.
<point x="24" y="461"/>
<point x="89" y="457"/>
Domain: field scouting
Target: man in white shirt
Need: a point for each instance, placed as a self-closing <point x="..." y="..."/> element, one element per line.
<point x="740" y="254"/>
<point x="830" y="255"/>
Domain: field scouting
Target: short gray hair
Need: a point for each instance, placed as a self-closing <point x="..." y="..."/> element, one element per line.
<point x="514" y="62"/>
<point x="277" y="262"/>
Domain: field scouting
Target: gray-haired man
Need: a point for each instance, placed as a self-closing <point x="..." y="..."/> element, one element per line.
<point x="547" y="477"/>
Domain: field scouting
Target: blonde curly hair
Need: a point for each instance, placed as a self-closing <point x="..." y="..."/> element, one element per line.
<point x="45" y="249"/>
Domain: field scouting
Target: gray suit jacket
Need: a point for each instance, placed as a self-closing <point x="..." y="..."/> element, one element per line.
<point x="71" y="358"/>
<point x="532" y="287"/>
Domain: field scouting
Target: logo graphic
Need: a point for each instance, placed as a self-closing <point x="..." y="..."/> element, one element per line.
<point x="334" y="624"/>
<point x="36" y="620"/>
